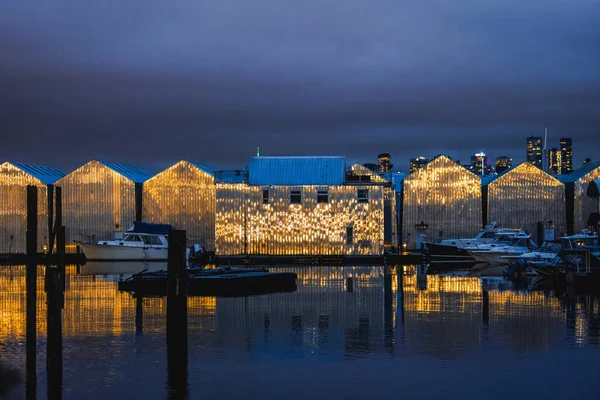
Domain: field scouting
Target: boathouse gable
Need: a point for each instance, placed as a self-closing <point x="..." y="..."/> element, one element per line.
<point x="14" y="179"/>
<point x="99" y="199"/>
<point x="183" y="196"/>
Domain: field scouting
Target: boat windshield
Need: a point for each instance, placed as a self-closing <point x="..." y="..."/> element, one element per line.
<point x="132" y="238"/>
<point x="150" y="239"/>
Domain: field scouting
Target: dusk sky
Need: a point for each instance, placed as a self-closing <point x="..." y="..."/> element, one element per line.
<point x="152" y="82"/>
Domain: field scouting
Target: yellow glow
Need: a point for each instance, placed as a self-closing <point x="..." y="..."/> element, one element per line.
<point x="183" y="195"/>
<point x="13" y="209"/>
<point x="96" y="202"/>
<point x="244" y="225"/>
<point x="526" y="195"/>
<point x="444" y="195"/>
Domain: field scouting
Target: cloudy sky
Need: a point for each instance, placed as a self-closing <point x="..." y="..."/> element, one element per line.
<point x="151" y="82"/>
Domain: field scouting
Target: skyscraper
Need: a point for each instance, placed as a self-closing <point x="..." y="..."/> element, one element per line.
<point x="566" y="150"/>
<point x="555" y="161"/>
<point x="502" y="164"/>
<point x="417" y="163"/>
<point x="384" y="162"/>
<point x="480" y="164"/>
<point x="534" y="150"/>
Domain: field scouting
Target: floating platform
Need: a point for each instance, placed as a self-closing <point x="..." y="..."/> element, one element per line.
<point x="318" y="260"/>
<point x="43" y="259"/>
<point x="228" y="282"/>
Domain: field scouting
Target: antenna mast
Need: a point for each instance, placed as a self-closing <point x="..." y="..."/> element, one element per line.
<point x="546" y="158"/>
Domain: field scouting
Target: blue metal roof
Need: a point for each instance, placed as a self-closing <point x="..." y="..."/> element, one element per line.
<point x="235" y="176"/>
<point x="130" y="172"/>
<point x="208" y="170"/>
<point x="297" y="171"/>
<point x="581" y="172"/>
<point x="45" y="174"/>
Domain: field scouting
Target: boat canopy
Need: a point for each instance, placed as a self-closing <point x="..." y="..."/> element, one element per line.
<point x="146" y="227"/>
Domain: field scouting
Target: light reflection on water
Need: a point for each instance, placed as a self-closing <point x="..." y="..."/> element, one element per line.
<point x="451" y="336"/>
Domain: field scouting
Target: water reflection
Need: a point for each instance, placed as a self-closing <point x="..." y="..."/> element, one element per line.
<point x="391" y="313"/>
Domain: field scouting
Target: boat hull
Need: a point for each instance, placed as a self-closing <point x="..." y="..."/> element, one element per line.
<point x="448" y="254"/>
<point x="101" y="252"/>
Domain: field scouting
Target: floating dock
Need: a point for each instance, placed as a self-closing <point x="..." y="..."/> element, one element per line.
<point x="316" y="260"/>
<point x="228" y="282"/>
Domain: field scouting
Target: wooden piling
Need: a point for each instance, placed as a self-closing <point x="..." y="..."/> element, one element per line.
<point x="59" y="231"/>
<point x="31" y="291"/>
<point x="177" y="335"/>
<point x="54" y="301"/>
<point x="350" y="284"/>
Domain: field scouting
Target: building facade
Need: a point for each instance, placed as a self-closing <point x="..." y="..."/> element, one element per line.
<point x="566" y="150"/>
<point x="417" y="163"/>
<point x="502" y="164"/>
<point x="524" y="196"/>
<point x="184" y="196"/>
<point x="14" y="179"/>
<point x="384" y="162"/>
<point x="303" y="206"/>
<point x="441" y="200"/>
<point x="534" y="151"/>
<point x="100" y="198"/>
<point x="555" y="161"/>
<point x="579" y="205"/>
<point x="480" y="164"/>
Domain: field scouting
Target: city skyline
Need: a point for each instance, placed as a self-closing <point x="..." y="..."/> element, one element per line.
<point x="212" y="82"/>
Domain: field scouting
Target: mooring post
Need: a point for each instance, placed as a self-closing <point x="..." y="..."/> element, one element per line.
<point x="388" y="297"/>
<point x="139" y="314"/>
<point x="54" y="300"/>
<point x="485" y="309"/>
<point x="177" y="338"/>
<point x="59" y="229"/>
<point x="31" y="289"/>
<point x="422" y="276"/>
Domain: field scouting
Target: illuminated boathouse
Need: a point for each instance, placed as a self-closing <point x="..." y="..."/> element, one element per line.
<point x="14" y="179"/>
<point x="524" y="196"/>
<point x="184" y="196"/>
<point x="441" y="200"/>
<point x="580" y="206"/>
<point x="100" y="198"/>
<point x="302" y="206"/>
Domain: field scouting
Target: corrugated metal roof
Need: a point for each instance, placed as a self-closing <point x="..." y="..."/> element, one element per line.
<point x="235" y="176"/>
<point x="208" y="170"/>
<point x="581" y="172"/>
<point x="128" y="171"/>
<point x="487" y="179"/>
<point x="297" y="171"/>
<point x="45" y="174"/>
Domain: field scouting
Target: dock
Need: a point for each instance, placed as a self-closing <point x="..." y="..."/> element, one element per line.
<point x="224" y="282"/>
<point x="43" y="259"/>
<point x="316" y="260"/>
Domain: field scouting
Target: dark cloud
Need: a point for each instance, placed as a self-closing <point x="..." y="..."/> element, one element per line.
<point x="150" y="83"/>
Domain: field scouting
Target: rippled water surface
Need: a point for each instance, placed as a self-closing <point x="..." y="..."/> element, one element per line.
<point x="393" y="336"/>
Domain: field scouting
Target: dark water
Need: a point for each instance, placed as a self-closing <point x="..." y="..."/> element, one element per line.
<point x="391" y="337"/>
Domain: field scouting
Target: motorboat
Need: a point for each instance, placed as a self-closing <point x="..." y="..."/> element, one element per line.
<point x="456" y="250"/>
<point x="142" y="242"/>
<point x="503" y="246"/>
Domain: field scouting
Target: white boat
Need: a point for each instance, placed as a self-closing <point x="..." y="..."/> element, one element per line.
<point x="142" y="242"/>
<point x="456" y="250"/>
<point x="496" y="252"/>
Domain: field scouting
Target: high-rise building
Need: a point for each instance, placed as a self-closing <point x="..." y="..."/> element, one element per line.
<point x="534" y="150"/>
<point x="566" y="150"/>
<point x="417" y="163"/>
<point x="480" y="164"/>
<point x="555" y="161"/>
<point x="502" y="164"/>
<point x="384" y="162"/>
